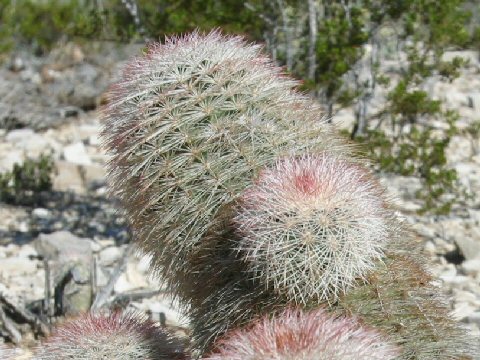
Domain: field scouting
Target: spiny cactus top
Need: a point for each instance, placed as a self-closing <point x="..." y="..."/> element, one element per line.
<point x="297" y="335"/>
<point x="118" y="336"/>
<point x="190" y="123"/>
<point x="312" y="225"/>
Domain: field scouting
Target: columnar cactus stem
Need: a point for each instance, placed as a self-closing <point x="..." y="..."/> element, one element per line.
<point x="187" y="127"/>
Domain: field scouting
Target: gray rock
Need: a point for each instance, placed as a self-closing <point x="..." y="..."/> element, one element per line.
<point x="68" y="178"/>
<point x="41" y="213"/>
<point x="469" y="248"/>
<point x="8" y="160"/>
<point x="17" y="265"/>
<point x="16" y="64"/>
<point x="23" y="105"/>
<point x="77" y="154"/>
<point x="110" y="255"/>
<point x="71" y="261"/>
<point x="29" y="141"/>
<point x="79" y="86"/>
<point x="471" y="267"/>
<point x="474" y="100"/>
<point x="93" y="175"/>
<point x="474" y="318"/>
<point x="62" y="244"/>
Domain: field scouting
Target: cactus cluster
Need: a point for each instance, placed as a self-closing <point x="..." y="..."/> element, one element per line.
<point x="269" y="229"/>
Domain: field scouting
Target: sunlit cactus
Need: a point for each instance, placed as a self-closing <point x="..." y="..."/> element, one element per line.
<point x="313" y="225"/>
<point x="400" y="299"/>
<point x="314" y="335"/>
<point x="122" y="336"/>
<point x="188" y="126"/>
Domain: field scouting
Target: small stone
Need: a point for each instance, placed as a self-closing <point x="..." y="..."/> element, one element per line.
<point x="16" y="64"/>
<point x="93" y="175"/>
<point x="474" y="318"/>
<point x="469" y="248"/>
<point x="9" y="159"/>
<point x="471" y="267"/>
<point x="68" y="178"/>
<point x="448" y="273"/>
<point x="430" y="248"/>
<point x="29" y="141"/>
<point x="17" y="266"/>
<point x="463" y="310"/>
<point x="69" y="111"/>
<point x="94" y="140"/>
<point x="41" y="213"/>
<point x="77" y="154"/>
<point x="87" y="130"/>
<point x="110" y="255"/>
<point x="104" y="243"/>
<point x="61" y="244"/>
<point x="27" y="251"/>
<point x="424" y="230"/>
<point x="474" y="100"/>
<point x="23" y="227"/>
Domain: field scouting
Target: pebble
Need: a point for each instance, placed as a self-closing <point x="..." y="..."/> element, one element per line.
<point x="471" y="267"/>
<point x="110" y="255"/>
<point x="77" y="154"/>
<point x="41" y="213"/>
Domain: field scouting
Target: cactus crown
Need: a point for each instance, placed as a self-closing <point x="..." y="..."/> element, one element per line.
<point x="312" y="225"/>
<point x="122" y="336"/>
<point x="314" y="335"/>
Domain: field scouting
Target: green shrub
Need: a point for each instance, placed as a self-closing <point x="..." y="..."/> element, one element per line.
<point x="23" y="185"/>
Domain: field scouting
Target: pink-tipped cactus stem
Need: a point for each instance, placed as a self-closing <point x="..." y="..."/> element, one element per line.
<point x="314" y="335"/>
<point x="121" y="336"/>
<point x="313" y="225"/>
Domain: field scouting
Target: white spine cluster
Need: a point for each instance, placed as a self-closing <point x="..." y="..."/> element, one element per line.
<point x="312" y="226"/>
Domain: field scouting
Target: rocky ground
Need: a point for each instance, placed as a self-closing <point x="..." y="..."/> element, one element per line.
<point x="76" y="241"/>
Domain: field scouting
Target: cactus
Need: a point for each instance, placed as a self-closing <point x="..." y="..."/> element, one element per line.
<point x="187" y="127"/>
<point x="400" y="299"/>
<point x="122" y="336"/>
<point x="314" y="335"/>
<point x="312" y="226"/>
